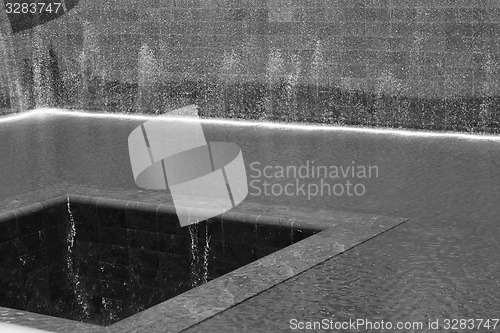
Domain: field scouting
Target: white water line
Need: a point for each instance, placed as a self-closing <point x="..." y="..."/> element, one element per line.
<point x="11" y="328"/>
<point x="259" y="124"/>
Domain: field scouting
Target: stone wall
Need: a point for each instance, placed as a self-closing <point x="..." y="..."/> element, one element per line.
<point x="412" y="48"/>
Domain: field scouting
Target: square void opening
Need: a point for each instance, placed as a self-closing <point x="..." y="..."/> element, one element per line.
<point x="98" y="264"/>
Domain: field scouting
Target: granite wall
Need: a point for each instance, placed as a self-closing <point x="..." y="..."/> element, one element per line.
<point x="150" y="55"/>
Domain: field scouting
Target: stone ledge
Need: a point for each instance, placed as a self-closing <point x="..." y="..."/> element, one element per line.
<point x="340" y="231"/>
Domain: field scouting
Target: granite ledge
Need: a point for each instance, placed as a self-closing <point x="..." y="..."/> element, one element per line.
<point x="337" y="232"/>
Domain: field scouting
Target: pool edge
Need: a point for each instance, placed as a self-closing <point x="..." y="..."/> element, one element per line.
<point x="205" y="301"/>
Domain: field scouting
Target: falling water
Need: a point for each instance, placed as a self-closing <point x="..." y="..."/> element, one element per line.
<point x="72" y="270"/>
<point x="386" y="84"/>
<point x="487" y="90"/>
<point x="193" y="234"/>
<point x="206" y="252"/>
<point x="316" y="72"/>
<point x="291" y="87"/>
<point x="148" y="71"/>
<point x="4" y="70"/>
<point x="42" y="85"/>
<point x="108" y="309"/>
<point x="274" y="71"/>
<point x="90" y="63"/>
<point x="8" y="66"/>
<point x="230" y="67"/>
<point x="199" y="261"/>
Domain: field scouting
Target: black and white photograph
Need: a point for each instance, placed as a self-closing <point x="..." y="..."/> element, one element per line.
<point x="259" y="166"/>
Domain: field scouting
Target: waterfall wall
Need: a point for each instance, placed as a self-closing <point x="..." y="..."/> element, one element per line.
<point x="10" y="86"/>
<point x="423" y="49"/>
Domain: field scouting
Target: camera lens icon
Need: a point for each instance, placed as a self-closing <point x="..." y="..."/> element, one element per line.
<point x="205" y="179"/>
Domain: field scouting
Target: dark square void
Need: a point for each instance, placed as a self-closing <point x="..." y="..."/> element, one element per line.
<point x="99" y="264"/>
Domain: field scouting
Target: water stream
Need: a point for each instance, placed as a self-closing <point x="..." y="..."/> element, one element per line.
<point x="8" y="70"/>
<point x="199" y="255"/>
<point x="73" y="273"/>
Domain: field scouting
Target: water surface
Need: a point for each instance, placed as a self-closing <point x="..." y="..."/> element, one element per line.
<point x="443" y="263"/>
